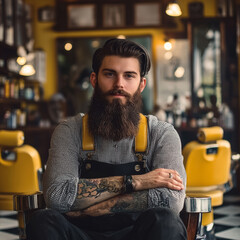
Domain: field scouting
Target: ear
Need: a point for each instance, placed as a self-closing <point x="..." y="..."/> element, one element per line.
<point x="143" y="84"/>
<point x="93" y="79"/>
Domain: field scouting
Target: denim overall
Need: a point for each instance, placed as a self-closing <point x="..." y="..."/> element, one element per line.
<point x="94" y="169"/>
<point x="119" y="223"/>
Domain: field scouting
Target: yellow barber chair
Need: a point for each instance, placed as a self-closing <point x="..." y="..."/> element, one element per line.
<point x="20" y="168"/>
<point x="207" y="163"/>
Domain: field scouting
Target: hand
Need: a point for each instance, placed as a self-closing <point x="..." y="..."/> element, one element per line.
<point x="75" y="214"/>
<point x="159" y="177"/>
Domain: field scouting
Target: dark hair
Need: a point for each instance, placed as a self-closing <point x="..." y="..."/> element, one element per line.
<point x="123" y="48"/>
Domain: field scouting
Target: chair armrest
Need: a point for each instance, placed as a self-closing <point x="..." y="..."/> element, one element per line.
<point x="191" y="215"/>
<point x="25" y="205"/>
<point x="197" y="204"/>
<point x="28" y="202"/>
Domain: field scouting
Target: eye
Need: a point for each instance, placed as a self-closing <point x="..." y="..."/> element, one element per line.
<point x="108" y="74"/>
<point x="129" y="75"/>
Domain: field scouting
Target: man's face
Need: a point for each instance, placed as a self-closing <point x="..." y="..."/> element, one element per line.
<point x="118" y="77"/>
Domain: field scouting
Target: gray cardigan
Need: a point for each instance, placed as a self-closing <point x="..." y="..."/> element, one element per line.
<point x="65" y="156"/>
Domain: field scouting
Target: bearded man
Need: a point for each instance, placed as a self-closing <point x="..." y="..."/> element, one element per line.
<point x="113" y="173"/>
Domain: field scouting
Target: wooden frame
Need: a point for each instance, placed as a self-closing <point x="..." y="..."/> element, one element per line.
<point x="8" y="22"/>
<point x="19" y="23"/>
<point x="81" y="16"/>
<point x="46" y="14"/>
<point x="147" y="14"/>
<point x="114" y="15"/>
<point x="107" y="14"/>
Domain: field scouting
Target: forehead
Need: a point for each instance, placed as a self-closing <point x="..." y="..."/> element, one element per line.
<point x="121" y="63"/>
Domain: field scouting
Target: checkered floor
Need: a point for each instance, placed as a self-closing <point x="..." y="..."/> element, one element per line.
<point x="8" y="225"/>
<point x="226" y="219"/>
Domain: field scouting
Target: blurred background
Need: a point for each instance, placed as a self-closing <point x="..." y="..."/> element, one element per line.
<point x="46" y="49"/>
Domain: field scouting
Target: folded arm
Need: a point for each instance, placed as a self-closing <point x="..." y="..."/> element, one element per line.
<point x="105" y="195"/>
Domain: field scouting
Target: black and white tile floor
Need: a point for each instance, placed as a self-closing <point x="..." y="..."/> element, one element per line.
<point x="226" y="219"/>
<point x="8" y="225"/>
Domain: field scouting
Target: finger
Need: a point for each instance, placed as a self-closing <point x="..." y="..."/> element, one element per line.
<point x="174" y="181"/>
<point x="172" y="174"/>
<point x="175" y="185"/>
<point x="178" y="183"/>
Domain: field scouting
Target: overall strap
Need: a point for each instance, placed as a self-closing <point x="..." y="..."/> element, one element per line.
<point x="87" y="138"/>
<point x="142" y="135"/>
<point x="140" y="139"/>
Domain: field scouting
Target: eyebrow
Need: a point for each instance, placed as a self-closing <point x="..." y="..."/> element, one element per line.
<point x="111" y="70"/>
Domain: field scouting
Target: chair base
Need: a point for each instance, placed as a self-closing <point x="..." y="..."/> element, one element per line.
<point x="208" y="231"/>
<point x="6" y="202"/>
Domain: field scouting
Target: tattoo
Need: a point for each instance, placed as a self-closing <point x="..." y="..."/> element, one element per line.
<point x="164" y="201"/>
<point x="136" y="202"/>
<point x="94" y="188"/>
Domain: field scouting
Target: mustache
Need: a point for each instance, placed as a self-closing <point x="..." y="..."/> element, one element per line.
<point x="117" y="91"/>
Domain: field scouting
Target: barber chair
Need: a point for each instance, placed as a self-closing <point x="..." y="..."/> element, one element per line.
<point x="20" y="168"/>
<point x="207" y="162"/>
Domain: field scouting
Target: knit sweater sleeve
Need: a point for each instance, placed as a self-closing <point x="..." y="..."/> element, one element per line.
<point x="165" y="152"/>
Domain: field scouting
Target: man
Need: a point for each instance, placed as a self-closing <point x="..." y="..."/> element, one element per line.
<point x="109" y="190"/>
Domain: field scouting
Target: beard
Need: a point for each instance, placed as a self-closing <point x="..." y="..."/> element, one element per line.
<point x="114" y="120"/>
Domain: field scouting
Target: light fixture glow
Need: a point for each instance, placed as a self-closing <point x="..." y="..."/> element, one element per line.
<point x="179" y="72"/>
<point x="168" y="55"/>
<point x="167" y="46"/>
<point x="121" y="37"/>
<point x="27" y="70"/>
<point x="173" y="9"/>
<point x="21" y="60"/>
<point x="95" y="44"/>
<point x="68" y="46"/>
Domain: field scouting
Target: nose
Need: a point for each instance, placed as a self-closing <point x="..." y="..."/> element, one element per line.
<point x="119" y="82"/>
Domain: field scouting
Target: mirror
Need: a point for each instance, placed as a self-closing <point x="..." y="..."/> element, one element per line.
<point x="173" y="72"/>
<point x="207" y="64"/>
<point x="74" y="59"/>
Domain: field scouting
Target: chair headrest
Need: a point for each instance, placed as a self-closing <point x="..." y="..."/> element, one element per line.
<point x="11" y="138"/>
<point x="210" y="134"/>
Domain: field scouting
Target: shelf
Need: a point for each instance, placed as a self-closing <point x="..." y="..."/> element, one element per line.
<point x="7" y="51"/>
<point x="4" y="71"/>
<point x="18" y="101"/>
<point x="30" y="128"/>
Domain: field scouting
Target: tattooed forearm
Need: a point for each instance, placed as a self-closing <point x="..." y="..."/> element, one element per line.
<point x="134" y="202"/>
<point x="88" y="188"/>
<point x="93" y="191"/>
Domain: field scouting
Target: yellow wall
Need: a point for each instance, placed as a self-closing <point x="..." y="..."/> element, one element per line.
<point x="45" y="37"/>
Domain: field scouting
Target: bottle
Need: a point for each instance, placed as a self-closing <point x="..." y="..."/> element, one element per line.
<point x="16" y="89"/>
<point x="14" y="119"/>
<point x="2" y="91"/>
<point x="11" y="88"/>
<point x="21" y="89"/>
<point x="7" y="88"/>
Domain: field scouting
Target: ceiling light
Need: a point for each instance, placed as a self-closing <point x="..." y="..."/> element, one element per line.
<point x="27" y="70"/>
<point x="173" y="9"/>
<point x="21" y="60"/>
